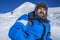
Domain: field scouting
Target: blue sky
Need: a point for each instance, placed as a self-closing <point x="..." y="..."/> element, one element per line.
<point x="10" y="5"/>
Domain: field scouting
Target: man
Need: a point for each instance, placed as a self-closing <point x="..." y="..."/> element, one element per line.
<point x="34" y="26"/>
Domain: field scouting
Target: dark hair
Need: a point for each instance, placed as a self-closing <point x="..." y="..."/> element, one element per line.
<point x="32" y="15"/>
<point x="41" y="4"/>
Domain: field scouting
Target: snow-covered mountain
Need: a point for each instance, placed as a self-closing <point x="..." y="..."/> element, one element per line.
<point x="8" y="19"/>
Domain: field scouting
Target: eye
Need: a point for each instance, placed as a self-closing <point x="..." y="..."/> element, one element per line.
<point x="44" y="9"/>
<point x="40" y="8"/>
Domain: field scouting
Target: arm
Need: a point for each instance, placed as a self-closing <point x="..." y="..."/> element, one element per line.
<point x="16" y="31"/>
<point x="49" y="33"/>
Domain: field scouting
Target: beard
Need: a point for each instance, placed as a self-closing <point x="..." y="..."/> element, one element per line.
<point x="41" y="18"/>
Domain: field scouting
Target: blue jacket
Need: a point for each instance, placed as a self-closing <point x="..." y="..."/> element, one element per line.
<point x="21" y="31"/>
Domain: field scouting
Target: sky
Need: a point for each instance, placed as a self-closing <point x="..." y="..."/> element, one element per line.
<point x="10" y="5"/>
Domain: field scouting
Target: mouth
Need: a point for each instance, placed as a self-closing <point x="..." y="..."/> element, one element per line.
<point x="40" y="14"/>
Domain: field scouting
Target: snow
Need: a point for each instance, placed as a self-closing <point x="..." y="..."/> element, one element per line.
<point x="8" y="19"/>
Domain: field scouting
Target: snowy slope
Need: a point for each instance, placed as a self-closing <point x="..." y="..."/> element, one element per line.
<point x="8" y="19"/>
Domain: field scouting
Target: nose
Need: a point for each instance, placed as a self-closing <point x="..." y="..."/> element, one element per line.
<point x="41" y="9"/>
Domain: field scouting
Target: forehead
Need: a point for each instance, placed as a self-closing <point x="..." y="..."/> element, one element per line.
<point x="41" y="8"/>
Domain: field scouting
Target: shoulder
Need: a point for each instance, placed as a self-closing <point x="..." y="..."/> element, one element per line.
<point x="49" y="21"/>
<point x="23" y="17"/>
<point x="24" y="22"/>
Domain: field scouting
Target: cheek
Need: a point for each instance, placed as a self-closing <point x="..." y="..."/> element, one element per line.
<point x="38" y="11"/>
<point x="44" y="12"/>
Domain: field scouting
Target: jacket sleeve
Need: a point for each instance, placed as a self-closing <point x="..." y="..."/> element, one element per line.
<point x="16" y="32"/>
<point x="49" y="34"/>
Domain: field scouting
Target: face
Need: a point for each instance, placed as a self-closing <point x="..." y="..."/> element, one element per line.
<point x="41" y="12"/>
